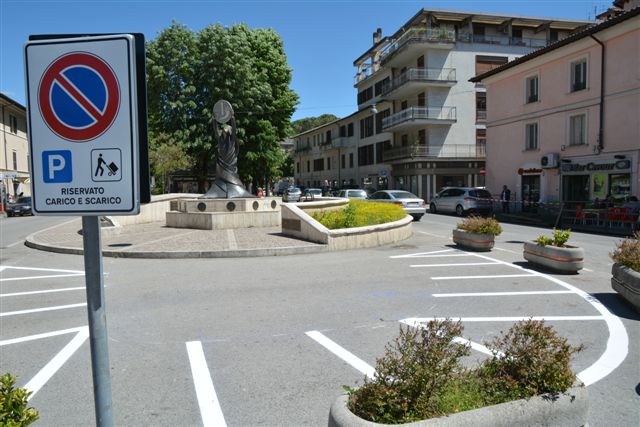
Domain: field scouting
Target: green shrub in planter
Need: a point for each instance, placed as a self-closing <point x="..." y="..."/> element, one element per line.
<point x="480" y="225"/>
<point x="359" y="213"/>
<point x="560" y="237"/>
<point x="13" y="404"/>
<point x="420" y="376"/>
<point x="627" y="252"/>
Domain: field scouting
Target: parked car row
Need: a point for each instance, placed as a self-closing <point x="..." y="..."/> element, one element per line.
<point x="22" y="206"/>
<point x="458" y="200"/>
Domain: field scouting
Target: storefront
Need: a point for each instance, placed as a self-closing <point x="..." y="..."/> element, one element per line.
<point x="585" y="179"/>
<point x="530" y="188"/>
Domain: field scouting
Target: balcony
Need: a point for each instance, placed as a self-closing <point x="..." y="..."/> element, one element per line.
<point x="341" y="141"/>
<point x="503" y="40"/>
<point x="446" y="151"/>
<point x="481" y="116"/>
<point x="416" y="117"/>
<point x="412" y="41"/>
<point x="303" y="149"/>
<point x="415" y="79"/>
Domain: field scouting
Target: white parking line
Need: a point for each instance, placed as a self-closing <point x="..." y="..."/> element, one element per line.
<point x="51" y="276"/>
<point x="41" y="336"/>
<point x="494" y="276"/>
<point x="56" y="363"/>
<point x="342" y="353"/>
<point x="477" y="347"/>
<point x="419" y="255"/>
<point x="38" y="310"/>
<point x="453" y="265"/>
<point x="499" y="294"/>
<point x="207" y="399"/>
<point x="43" y="269"/>
<point x="416" y="321"/>
<point x="48" y="291"/>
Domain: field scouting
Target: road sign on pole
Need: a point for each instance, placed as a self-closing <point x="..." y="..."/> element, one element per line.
<point x="83" y="125"/>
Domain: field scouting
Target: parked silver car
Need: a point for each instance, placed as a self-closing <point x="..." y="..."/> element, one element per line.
<point x="462" y="200"/>
<point x="353" y="194"/>
<point x="292" y="194"/>
<point x="312" y="193"/>
<point x="412" y="204"/>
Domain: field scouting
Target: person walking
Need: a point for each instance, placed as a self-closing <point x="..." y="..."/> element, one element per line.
<point x="505" y="197"/>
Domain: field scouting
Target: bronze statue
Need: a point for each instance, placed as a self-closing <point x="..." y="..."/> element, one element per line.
<point x="227" y="184"/>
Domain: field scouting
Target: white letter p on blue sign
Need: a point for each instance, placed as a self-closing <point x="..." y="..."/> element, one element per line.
<point x="56" y="166"/>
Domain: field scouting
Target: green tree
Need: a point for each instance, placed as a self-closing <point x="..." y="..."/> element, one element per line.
<point x="167" y="156"/>
<point x="189" y="71"/>
<point x="303" y="125"/>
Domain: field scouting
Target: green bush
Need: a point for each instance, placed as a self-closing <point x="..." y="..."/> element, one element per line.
<point x="528" y="360"/>
<point x="627" y="252"/>
<point x="420" y="376"/>
<point x="560" y="237"/>
<point x="480" y="225"/>
<point x="412" y="375"/>
<point x="360" y="213"/>
<point x="13" y="404"/>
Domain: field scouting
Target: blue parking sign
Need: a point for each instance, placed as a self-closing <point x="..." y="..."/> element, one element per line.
<point x="56" y="166"/>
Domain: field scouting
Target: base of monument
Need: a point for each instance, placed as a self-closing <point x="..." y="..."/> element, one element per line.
<point x="219" y="214"/>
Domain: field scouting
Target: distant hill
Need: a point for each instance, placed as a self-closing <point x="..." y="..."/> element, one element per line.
<point x="307" y="123"/>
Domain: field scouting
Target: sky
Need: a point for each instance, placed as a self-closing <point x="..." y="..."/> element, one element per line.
<point x="321" y="38"/>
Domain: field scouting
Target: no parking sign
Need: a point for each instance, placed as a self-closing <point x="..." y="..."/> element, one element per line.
<point x="83" y="125"/>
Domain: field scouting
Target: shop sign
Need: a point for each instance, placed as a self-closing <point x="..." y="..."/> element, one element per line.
<point x="620" y="165"/>
<point x="530" y="171"/>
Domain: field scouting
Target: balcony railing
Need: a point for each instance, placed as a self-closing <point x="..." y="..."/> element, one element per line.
<point x="502" y="40"/>
<point x="458" y="151"/>
<point x="421" y="75"/>
<point x="302" y="149"/>
<point x="341" y="141"/>
<point x="416" y="113"/>
<point x="419" y="35"/>
<point x="481" y="115"/>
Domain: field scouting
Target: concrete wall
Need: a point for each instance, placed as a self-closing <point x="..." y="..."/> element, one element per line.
<point x="297" y="222"/>
<point x="151" y="212"/>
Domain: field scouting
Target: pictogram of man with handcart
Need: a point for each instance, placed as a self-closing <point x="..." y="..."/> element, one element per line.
<point x="111" y="167"/>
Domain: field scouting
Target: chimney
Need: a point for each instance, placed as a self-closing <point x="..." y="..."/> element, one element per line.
<point x="377" y="36"/>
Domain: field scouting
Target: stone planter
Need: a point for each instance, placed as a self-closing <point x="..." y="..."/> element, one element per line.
<point x="568" y="409"/>
<point x="473" y="241"/>
<point x="626" y="282"/>
<point x="569" y="259"/>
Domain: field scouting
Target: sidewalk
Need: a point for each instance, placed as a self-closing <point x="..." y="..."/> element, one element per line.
<point x="154" y="240"/>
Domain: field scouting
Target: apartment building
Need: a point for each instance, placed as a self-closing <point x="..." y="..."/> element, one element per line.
<point x="421" y="125"/>
<point x="563" y="121"/>
<point x="14" y="153"/>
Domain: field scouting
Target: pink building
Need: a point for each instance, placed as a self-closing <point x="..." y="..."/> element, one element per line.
<point x="563" y="122"/>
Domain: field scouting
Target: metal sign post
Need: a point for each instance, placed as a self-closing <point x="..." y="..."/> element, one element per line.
<point x="91" y="243"/>
<point x="86" y="122"/>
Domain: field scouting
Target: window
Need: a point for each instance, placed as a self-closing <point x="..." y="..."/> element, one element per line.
<point x="350" y="129"/>
<point x="365" y="95"/>
<point x="350" y="160"/>
<point x="404" y="140"/>
<point x="531" y="136"/>
<point x="328" y="139"/>
<point x="488" y="63"/>
<point x="13" y="123"/>
<point x="343" y="161"/>
<point x="380" y="147"/>
<point x="481" y="142"/>
<point x="380" y="117"/>
<point x="382" y="85"/>
<point x="421" y="100"/>
<point x="365" y="155"/>
<point x="579" y="75"/>
<point x="308" y="166"/>
<point x="481" y="106"/>
<point x="297" y="167"/>
<point x="366" y="127"/>
<point x="422" y="137"/>
<point x="531" y="89"/>
<point x="343" y="131"/>
<point x="15" y="160"/>
<point x="328" y="163"/>
<point x="578" y="129"/>
<point x="318" y="165"/>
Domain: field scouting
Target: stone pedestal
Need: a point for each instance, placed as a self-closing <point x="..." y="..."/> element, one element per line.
<point x="218" y="214"/>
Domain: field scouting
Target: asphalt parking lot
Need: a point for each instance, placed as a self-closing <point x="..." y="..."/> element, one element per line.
<point x="271" y="341"/>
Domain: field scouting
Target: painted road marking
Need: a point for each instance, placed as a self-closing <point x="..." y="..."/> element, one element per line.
<point x="453" y="265"/>
<point x="45" y="374"/>
<point x="498" y="294"/>
<point x="43" y="269"/>
<point x="207" y="399"/>
<point x="342" y="353"/>
<point x="417" y="321"/>
<point x="494" y="276"/>
<point x="48" y="291"/>
<point x="41" y="336"/>
<point x="477" y="347"/>
<point x="617" y="345"/>
<point x="419" y="255"/>
<point x="38" y="310"/>
<point x="13" y="279"/>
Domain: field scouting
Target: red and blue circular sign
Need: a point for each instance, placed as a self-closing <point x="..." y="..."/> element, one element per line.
<point x="79" y="96"/>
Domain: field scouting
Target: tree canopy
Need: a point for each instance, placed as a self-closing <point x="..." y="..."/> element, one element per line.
<point x="189" y="71"/>
<point x="307" y="123"/>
